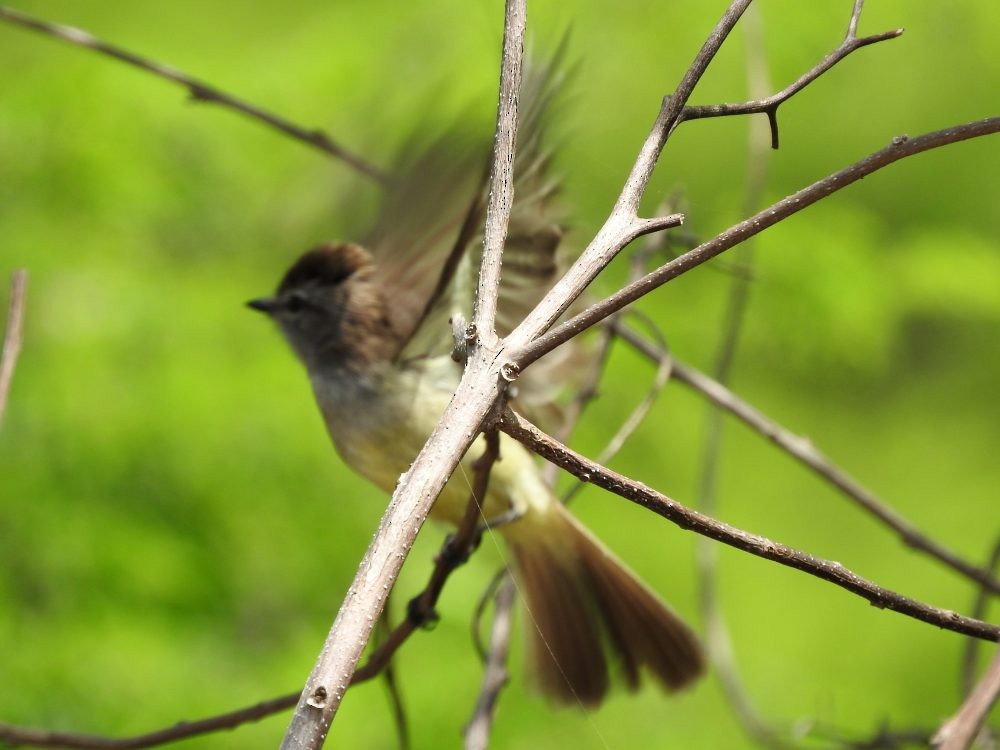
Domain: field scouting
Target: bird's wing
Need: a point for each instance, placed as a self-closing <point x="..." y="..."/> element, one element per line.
<point x="419" y="228"/>
<point x="428" y="240"/>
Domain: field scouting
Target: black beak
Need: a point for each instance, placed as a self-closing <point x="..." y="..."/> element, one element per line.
<point x="266" y="305"/>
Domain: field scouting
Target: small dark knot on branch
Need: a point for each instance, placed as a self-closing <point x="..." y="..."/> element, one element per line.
<point x="420" y="615"/>
<point x="455" y="551"/>
<point x="198" y="93"/>
<point x="899" y="140"/>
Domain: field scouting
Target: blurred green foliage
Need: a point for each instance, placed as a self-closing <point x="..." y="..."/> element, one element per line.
<point x="176" y="532"/>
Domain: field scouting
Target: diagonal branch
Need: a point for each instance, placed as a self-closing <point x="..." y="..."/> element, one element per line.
<point x="12" y="336"/>
<point x="418" y="488"/>
<point x="624" y="224"/>
<point x="900" y="148"/>
<point x="31" y="737"/>
<point x="477" y="731"/>
<point x="198" y="90"/>
<point x="717" y="636"/>
<point x="589" y="471"/>
<point x="769" y="105"/>
<point x="959" y="732"/>
<point x="809" y="455"/>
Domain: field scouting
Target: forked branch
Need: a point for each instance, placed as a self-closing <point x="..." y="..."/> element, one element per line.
<point x="769" y="105"/>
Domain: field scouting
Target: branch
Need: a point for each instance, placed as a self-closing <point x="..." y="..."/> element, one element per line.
<point x="590" y="471"/>
<point x="769" y="105"/>
<point x="717" y="635"/>
<point x="900" y="148"/>
<point x="182" y="730"/>
<point x="809" y="455"/>
<point x="624" y="224"/>
<point x="199" y="91"/>
<point x="971" y="655"/>
<point x="454" y="552"/>
<point x="480" y="388"/>
<point x="477" y="731"/>
<point x="501" y="192"/>
<point x="960" y="730"/>
<point x="12" y="337"/>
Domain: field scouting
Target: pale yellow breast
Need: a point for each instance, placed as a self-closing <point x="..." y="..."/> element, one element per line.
<point x="379" y="424"/>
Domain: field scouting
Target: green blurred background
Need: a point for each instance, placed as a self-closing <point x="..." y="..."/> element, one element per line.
<point x="176" y="532"/>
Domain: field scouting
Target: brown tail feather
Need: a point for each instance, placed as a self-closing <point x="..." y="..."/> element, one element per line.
<point x="583" y="602"/>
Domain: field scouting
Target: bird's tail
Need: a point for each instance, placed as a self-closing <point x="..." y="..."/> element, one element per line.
<point x="584" y="604"/>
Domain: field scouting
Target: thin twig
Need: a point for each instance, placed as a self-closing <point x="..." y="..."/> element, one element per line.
<point x="584" y="396"/>
<point x="638" y="414"/>
<point x="590" y="471"/>
<point x="717" y="637"/>
<point x="960" y="730"/>
<point x="803" y="450"/>
<point x="885" y="738"/>
<point x="389" y="679"/>
<point x="769" y="105"/>
<point x="199" y="91"/>
<point x="27" y="736"/>
<point x="971" y="655"/>
<point x="12" y="336"/>
<point x="901" y="148"/>
<point x="477" y="616"/>
<point x="477" y="731"/>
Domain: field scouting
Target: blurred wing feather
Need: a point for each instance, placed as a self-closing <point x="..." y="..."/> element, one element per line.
<point x="428" y="240"/>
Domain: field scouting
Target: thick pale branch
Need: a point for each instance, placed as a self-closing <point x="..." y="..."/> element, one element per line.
<point x="900" y="148"/>
<point x="809" y="455"/>
<point x="501" y="191"/>
<point x="415" y="493"/>
<point x="12" y="336"/>
<point x="198" y="90"/>
<point x="589" y="471"/>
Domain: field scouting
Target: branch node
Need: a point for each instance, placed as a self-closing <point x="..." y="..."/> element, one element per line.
<point x="318" y="698"/>
<point x="509" y="371"/>
<point x="420" y="615"/>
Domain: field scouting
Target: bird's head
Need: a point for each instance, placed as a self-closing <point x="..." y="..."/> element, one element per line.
<point x="330" y="309"/>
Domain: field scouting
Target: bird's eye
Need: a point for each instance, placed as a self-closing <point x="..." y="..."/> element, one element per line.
<point x="296" y="303"/>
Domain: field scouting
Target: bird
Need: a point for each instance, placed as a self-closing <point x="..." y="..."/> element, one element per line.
<point x="369" y="321"/>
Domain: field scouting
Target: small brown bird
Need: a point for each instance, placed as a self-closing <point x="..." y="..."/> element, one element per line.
<point x="370" y="326"/>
